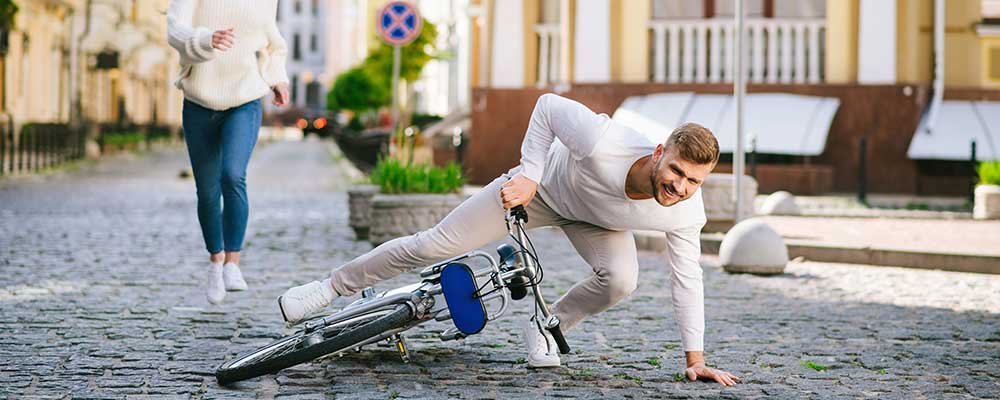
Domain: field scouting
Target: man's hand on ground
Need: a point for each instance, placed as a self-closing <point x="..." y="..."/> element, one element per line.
<point x="700" y="371"/>
<point x="518" y="191"/>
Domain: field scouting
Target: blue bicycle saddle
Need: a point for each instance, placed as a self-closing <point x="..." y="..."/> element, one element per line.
<point x="468" y="312"/>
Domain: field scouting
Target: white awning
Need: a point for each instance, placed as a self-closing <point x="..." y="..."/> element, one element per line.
<point x="781" y="123"/>
<point x="959" y="122"/>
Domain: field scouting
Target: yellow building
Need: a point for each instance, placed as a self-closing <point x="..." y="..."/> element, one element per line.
<point x="108" y="63"/>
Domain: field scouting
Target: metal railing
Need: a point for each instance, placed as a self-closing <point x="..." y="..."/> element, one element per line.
<point x="700" y="50"/>
<point x="39" y="146"/>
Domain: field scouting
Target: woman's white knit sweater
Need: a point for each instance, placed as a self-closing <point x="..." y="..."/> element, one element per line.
<point x="219" y="79"/>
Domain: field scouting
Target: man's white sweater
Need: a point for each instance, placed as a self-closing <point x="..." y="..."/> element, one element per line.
<point x="223" y="79"/>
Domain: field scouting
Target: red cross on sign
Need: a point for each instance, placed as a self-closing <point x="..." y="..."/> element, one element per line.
<point x="398" y="23"/>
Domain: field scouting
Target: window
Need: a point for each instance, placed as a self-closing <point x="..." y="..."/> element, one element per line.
<point x="682" y="9"/>
<point x="295" y="89"/>
<point x="991" y="11"/>
<point x="298" y="7"/>
<point x="315" y="8"/>
<point x="312" y="95"/>
<point x="277" y="13"/>
<point x="312" y="42"/>
<point x="296" y="48"/>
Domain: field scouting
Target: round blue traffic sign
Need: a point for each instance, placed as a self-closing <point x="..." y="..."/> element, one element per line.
<point x="398" y="23"/>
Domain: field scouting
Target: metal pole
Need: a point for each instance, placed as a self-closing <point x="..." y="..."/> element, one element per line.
<point x="862" y="170"/>
<point x="938" y="82"/>
<point x="395" y="88"/>
<point x="753" y="156"/>
<point x="739" y="90"/>
<point x="975" y="174"/>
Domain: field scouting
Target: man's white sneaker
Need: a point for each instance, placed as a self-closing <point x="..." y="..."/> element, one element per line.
<point x="542" y="349"/>
<point x="301" y="301"/>
<point x="215" y="289"/>
<point x="233" y="278"/>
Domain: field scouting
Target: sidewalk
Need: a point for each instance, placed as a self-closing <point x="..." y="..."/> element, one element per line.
<point x="953" y="245"/>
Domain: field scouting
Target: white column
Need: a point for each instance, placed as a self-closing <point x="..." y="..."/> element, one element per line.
<point x="673" y="53"/>
<point x="660" y="53"/>
<point x="877" y="41"/>
<point x="687" y="56"/>
<point x="772" y="53"/>
<point x="757" y="52"/>
<point x="701" y="57"/>
<point x="800" y="54"/>
<point x="715" y="57"/>
<point x="592" y="41"/>
<point x="508" y="45"/>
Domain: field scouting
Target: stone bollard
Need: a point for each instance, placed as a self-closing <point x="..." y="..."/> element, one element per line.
<point x="717" y="193"/>
<point x="987" y="202"/>
<point x="780" y="203"/>
<point x="753" y="247"/>
<point x="359" y="202"/>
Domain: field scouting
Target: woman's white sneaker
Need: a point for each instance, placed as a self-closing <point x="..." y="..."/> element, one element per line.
<point x="542" y="349"/>
<point x="301" y="301"/>
<point x="233" y="278"/>
<point x="215" y="288"/>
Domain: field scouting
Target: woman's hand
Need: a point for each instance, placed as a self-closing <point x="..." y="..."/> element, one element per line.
<point x="518" y="191"/>
<point x="280" y="94"/>
<point x="223" y="39"/>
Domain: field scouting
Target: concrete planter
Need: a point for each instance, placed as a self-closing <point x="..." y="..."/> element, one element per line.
<point x="359" y="202"/>
<point x="987" y="202"/>
<point x="398" y="215"/>
<point x="717" y="193"/>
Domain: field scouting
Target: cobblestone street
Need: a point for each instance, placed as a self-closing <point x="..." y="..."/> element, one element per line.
<point x="101" y="297"/>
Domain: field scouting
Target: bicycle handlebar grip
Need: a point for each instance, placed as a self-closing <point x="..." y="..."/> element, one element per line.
<point x="560" y="339"/>
<point x="520" y="213"/>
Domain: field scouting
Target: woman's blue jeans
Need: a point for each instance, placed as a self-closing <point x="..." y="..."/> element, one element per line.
<point x="219" y="144"/>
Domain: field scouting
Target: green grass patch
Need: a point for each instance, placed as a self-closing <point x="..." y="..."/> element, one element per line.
<point x="680" y="377"/>
<point x="393" y="395"/>
<point x="520" y="360"/>
<point x="654" y="361"/>
<point x="497" y="345"/>
<point x="627" y="377"/>
<point x="818" y="367"/>
<point x="670" y="346"/>
<point x="882" y="371"/>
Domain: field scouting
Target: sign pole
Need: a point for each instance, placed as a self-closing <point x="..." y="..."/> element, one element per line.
<point x="395" y="88"/>
<point x="739" y="89"/>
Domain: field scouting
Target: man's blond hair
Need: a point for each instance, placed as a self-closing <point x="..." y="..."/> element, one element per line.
<point x="694" y="143"/>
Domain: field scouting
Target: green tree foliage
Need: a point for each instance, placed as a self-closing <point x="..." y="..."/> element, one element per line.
<point x="358" y="91"/>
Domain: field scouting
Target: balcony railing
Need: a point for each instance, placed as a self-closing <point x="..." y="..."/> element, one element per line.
<point x="548" y="53"/>
<point x="700" y="51"/>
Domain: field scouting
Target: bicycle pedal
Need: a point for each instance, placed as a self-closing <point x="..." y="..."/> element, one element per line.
<point x="403" y="348"/>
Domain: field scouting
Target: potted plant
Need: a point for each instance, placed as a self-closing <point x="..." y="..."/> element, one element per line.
<point x="411" y="198"/>
<point x="987" y="196"/>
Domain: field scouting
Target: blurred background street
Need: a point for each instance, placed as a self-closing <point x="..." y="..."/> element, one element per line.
<point x="871" y="145"/>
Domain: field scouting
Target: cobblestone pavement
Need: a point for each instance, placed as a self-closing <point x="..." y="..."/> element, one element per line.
<point x="100" y="297"/>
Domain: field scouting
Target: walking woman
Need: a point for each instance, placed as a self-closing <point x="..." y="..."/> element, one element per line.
<point x="231" y="55"/>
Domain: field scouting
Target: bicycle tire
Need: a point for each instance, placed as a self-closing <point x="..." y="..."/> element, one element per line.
<point x="343" y="340"/>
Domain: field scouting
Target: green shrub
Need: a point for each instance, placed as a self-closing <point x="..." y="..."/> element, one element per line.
<point x="121" y="138"/>
<point x="989" y="172"/>
<point x="392" y="176"/>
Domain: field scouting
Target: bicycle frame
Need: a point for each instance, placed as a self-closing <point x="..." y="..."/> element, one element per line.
<point x="426" y="297"/>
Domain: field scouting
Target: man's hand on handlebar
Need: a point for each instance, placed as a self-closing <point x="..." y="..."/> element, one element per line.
<point x="517" y="191"/>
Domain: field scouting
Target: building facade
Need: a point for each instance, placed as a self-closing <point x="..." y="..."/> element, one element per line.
<point x="874" y="57"/>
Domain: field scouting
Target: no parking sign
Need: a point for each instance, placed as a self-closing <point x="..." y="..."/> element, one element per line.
<point x="399" y="23"/>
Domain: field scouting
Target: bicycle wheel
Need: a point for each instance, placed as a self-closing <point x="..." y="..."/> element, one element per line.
<point x="294" y="349"/>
